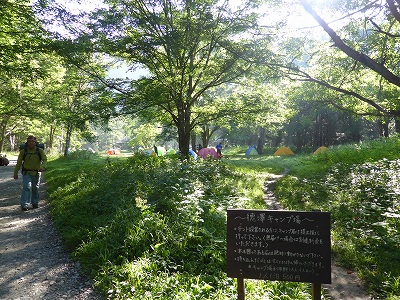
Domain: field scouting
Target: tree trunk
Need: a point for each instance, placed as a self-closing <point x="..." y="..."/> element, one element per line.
<point x="51" y="136"/>
<point x="68" y="139"/>
<point x="193" y="140"/>
<point x="397" y="125"/>
<point x="384" y="128"/>
<point x="278" y="138"/>
<point x="13" y="139"/>
<point x="184" y="140"/>
<point x="298" y="137"/>
<point x="205" y="136"/>
<point x="261" y="141"/>
<point x="184" y="129"/>
<point x="3" y="134"/>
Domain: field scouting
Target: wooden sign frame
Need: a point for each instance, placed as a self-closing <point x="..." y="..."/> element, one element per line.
<point x="279" y="245"/>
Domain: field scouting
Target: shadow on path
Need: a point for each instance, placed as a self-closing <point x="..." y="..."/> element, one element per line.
<point x="33" y="262"/>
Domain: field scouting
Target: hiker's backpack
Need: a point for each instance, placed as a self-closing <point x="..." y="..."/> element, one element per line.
<point x="25" y="148"/>
<point x="4" y="160"/>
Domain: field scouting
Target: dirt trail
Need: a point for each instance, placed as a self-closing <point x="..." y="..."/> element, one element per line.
<point x="345" y="283"/>
<point x="33" y="263"/>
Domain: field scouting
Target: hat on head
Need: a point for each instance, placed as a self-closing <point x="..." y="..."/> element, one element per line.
<point x="31" y="137"/>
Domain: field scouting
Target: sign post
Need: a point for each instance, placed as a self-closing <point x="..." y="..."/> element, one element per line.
<point x="316" y="293"/>
<point x="240" y="288"/>
<point x="279" y="245"/>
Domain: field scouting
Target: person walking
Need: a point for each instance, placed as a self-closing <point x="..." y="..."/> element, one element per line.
<point x="32" y="160"/>
<point x="219" y="150"/>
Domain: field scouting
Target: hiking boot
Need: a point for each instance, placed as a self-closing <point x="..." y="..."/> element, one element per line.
<point x="35" y="206"/>
<point x="25" y="208"/>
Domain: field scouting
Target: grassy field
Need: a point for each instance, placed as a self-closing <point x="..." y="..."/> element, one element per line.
<point x="155" y="227"/>
<point x="360" y="186"/>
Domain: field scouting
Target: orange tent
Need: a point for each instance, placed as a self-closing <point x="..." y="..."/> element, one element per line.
<point x="320" y="150"/>
<point x="283" y="151"/>
<point x="114" y="152"/>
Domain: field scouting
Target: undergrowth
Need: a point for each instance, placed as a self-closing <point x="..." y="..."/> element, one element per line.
<point x="155" y="227"/>
<point x="360" y="186"/>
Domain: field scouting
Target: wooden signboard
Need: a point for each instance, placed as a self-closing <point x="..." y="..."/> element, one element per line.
<point x="279" y="245"/>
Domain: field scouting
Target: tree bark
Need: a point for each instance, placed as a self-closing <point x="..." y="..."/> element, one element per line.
<point x="394" y="9"/>
<point x="261" y="141"/>
<point x="184" y="128"/>
<point x="51" y="136"/>
<point x="205" y="136"/>
<point x="397" y="125"/>
<point x="384" y="128"/>
<point x="278" y="138"/>
<point x="193" y="140"/>
<point x="68" y="139"/>
<point x="3" y="134"/>
<point x="12" y="141"/>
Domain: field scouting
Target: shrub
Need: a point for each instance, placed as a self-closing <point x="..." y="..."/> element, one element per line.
<point x="360" y="186"/>
<point x="154" y="227"/>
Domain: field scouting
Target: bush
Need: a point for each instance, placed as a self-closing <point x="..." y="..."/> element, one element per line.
<point x="360" y="186"/>
<point x="154" y="227"/>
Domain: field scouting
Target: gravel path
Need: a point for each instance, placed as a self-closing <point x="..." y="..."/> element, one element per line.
<point x="345" y="283"/>
<point x="33" y="263"/>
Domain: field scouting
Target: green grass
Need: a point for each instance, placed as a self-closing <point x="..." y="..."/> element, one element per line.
<point x="155" y="227"/>
<point x="360" y="186"/>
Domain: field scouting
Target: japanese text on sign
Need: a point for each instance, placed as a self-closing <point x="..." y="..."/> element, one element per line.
<point x="279" y="245"/>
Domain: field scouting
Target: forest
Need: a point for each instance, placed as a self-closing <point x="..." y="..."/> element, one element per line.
<point x="91" y="75"/>
<point x="181" y="73"/>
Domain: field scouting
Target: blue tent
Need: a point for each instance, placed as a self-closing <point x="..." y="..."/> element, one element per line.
<point x="252" y="150"/>
<point x="192" y="153"/>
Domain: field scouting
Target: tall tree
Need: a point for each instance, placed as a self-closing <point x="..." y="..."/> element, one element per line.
<point x="22" y="64"/>
<point x="189" y="47"/>
<point x="80" y="100"/>
<point x="358" y="66"/>
<point x="21" y="35"/>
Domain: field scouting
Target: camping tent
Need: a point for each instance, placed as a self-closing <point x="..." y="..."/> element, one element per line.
<point x="113" y="152"/>
<point x="320" y="150"/>
<point x="172" y="152"/>
<point x="149" y="152"/>
<point x="283" y="151"/>
<point x="252" y="150"/>
<point x="192" y="153"/>
<point x="161" y="151"/>
<point x="208" y="152"/>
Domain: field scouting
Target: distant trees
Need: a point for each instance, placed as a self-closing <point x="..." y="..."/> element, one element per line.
<point x="215" y="71"/>
<point x="37" y="92"/>
<point x="358" y="67"/>
<point x="313" y="126"/>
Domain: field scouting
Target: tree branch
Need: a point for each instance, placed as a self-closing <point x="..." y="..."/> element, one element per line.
<point x="340" y="107"/>
<point x="394" y="9"/>
<point x="378" y="29"/>
<point x="307" y="78"/>
<point x="358" y="56"/>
